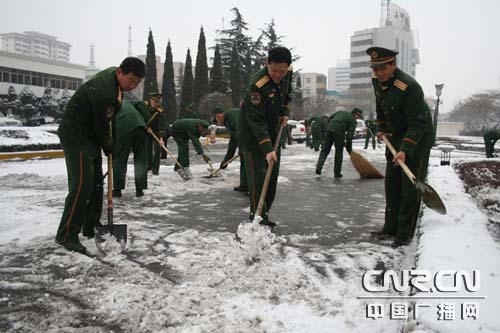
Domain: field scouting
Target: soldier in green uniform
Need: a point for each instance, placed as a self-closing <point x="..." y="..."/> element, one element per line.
<point x="184" y="130"/>
<point x="371" y="132"/>
<point x="129" y="129"/>
<point x="340" y="132"/>
<point x="264" y="108"/>
<point x="318" y="132"/>
<point x="85" y="130"/>
<point x="307" y="124"/>
<point x="404" y="118"/>
<point x="188" y="113"/>
<point x="490" y="138"/>
<point x="230" y="119"/>
<point x="156" y="124"/>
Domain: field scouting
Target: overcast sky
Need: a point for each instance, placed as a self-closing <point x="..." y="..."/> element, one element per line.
<point x="458" y="40"/>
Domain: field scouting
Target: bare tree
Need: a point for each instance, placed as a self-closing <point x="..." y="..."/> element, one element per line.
<point x="479" y="112"/>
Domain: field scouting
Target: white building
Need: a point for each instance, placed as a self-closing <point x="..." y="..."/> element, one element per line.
<point x="394" y="34"/>
<point x="338" y="77"/>
<point x="35" y="44"/>
<point x="313" y="84"/>
<point x="19" y="71"/>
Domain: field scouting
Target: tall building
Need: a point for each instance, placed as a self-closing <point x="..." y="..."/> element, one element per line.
<point x="338" y="77"/>
<point x="394" y="33"/>
<point x="313" y="84"/>
<point x="35" y="44"/>
<point x="91" y="70"/>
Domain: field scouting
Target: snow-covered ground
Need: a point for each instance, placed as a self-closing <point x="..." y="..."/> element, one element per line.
<point x="177" y="276"/>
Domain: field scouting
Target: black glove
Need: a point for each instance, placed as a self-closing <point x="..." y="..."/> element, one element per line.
<point x="223" y="164"/>
<point x="206" y="158"/>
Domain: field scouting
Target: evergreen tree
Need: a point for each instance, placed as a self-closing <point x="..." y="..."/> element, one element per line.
<point x="235" y="76"/>
<point x="169" y="102"/>
<point x="273" y="40"/>
<point x="187" y="84"/>
<point x="200" y="71"/>
<point x="180" y="80"/>
<point x="217" y="82"/>
<point x="150" y="83"/>
<point x="235" y="34"/>
<point x="248" y="71"/>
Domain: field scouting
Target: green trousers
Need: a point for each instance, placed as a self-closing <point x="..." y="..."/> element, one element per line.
<point x="402" y="198"/>
<point x="134" y="142"/>
<point x="83" y="205"/>
<point x="256" y="167"/>
<point x="182" y="151"/>
<point x="331" y="139"/>
<point x="153" y="152"/>
<point x="317" y="138"/>
<point x="367" y="140"/>
<point x="231" y="150"/>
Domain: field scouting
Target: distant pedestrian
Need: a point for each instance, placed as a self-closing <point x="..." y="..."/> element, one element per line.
<point x="490" y="138"/>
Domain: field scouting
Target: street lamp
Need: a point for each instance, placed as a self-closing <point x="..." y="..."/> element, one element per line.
<point x="439" y="89"/>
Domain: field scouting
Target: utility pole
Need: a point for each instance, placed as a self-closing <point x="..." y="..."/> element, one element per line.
<point x="129" y="54"/>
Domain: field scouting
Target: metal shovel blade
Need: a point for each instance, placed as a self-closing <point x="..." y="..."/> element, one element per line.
<point x="103" y="232"/>
<point x="185" y="173"/>
<point x="431" y="198"/>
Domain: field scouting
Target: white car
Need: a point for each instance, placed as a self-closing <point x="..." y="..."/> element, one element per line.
<point x="298" y="131"/>
<point x="360" y="129"/>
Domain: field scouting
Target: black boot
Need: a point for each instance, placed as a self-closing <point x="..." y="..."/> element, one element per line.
<point x="139" y="193"/>
<point x="117" y="193"/>
<point x="73" y="245"/>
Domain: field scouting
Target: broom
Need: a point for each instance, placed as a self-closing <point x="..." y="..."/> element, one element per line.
<point x="363" y="167"/>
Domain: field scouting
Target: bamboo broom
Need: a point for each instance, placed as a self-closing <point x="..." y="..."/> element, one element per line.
<point x="363" y="167"/>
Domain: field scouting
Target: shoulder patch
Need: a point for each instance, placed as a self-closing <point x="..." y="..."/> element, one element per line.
<point x="290" y="68"/>
<point x="262" y="81"/>
<point x="401" y="85"/>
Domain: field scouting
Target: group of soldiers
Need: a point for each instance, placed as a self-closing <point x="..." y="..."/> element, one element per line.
<point x="402" y="117"/>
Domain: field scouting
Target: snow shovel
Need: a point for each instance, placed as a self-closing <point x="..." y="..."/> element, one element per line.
<point x="182" y="171"/>
<point x="429" y="195"/>
<point x="216" y="173"/>
<point x="258" y="213"/>
<point x="118" y="231"/>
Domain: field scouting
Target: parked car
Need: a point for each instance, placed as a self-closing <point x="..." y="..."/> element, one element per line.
<point x="9" y="121"/>
<point x="360" y="131"/>
<point x="298" y="131"/>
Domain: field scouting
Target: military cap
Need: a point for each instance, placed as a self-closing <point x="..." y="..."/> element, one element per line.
<point x="155" y="95"/>
<point x="380" y="56"/>
<point x="357" y="111"/>
<point x="217" y="110"/>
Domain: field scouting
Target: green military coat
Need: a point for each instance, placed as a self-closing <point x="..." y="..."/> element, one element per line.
<point x="403" y="112"/>
<point x="262" y="106"/>
<point x="85" y="122"/>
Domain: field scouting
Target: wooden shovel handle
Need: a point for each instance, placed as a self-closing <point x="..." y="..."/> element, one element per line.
<point x="166" y="150"/>
<point x="401" y="163"/>
<point x="269" y="171"/>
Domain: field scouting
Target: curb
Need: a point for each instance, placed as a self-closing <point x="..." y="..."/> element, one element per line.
<point x="33" y="154"/>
